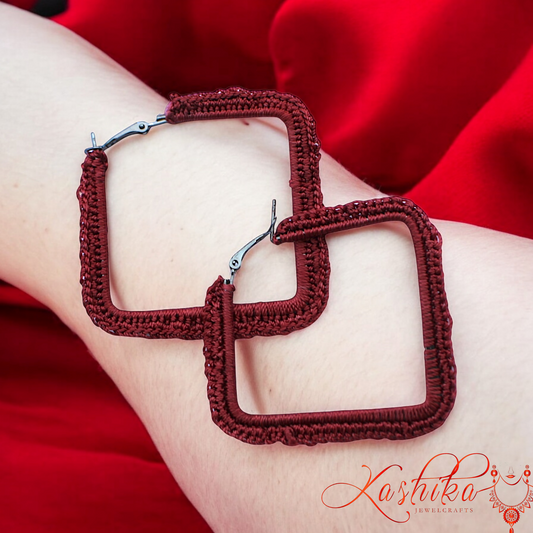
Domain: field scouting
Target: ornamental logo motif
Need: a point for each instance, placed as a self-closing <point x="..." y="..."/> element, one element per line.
<point x="507" y="489"/>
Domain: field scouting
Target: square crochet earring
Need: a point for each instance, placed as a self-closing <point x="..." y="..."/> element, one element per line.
<point x="312" y="265"/>
<point x="347" y="425"/>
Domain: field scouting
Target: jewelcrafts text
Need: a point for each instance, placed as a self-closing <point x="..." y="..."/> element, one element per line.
<point x="445" y="484"/>
<point x="443" y="510"/>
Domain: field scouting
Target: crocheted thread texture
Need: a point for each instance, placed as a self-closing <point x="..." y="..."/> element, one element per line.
<point x="261" y="318"/>
<point x="220" y="322"/>
<point x="341" y="426"/>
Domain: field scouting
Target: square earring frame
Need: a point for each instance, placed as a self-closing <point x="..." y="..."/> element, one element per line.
<point x="347" y="425"/>
<point x="251" y="319"/>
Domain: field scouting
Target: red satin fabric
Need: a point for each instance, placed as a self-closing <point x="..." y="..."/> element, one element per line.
<point x="428" y="99"/>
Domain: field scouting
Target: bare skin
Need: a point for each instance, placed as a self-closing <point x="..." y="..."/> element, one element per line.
<point x="182" y="200"/>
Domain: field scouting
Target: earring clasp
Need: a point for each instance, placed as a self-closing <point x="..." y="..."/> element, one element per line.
<point x="235" y="262"/>
<point x="139" y="128"/>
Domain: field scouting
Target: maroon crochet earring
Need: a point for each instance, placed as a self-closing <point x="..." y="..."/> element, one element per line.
<point x="339" y="426"/>
<point x="220" y="322"/>
<point x="265" y="318"/>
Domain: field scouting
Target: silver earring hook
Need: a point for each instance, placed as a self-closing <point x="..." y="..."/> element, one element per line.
<point x="139" y="128"/>
<point x="235" y="262"/>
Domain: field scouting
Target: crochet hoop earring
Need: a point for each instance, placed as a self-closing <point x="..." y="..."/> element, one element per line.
<point x="251" y="319"/>
<point x="340" y="426"/>
<point x="220" y="322"/>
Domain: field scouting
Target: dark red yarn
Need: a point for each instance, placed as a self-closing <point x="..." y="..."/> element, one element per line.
<point x="220" y="321"/>
<point x="262" y="318"/>
<point x="348" y="425"/>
